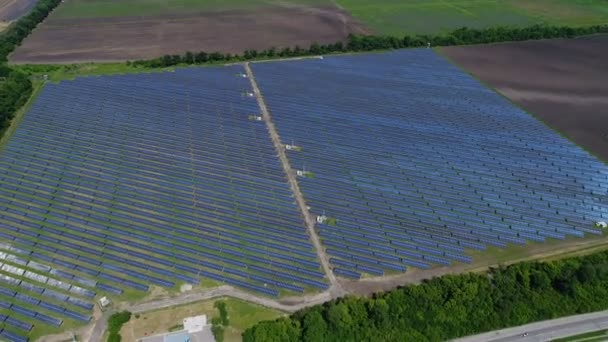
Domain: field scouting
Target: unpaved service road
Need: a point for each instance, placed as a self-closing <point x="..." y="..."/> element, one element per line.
<point x="564" y="82"/>
<point x="127" y="38"/>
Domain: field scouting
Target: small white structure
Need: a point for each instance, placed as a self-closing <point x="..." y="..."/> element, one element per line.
<point x="195" y="324"/>
<point x="250" y="94"/>
<point x="321" y="218"/>
<point x="601" y="224"/>
<point x="104" y="302"/>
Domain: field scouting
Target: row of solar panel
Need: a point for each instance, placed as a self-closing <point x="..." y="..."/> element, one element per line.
<point x="161" y="282"/>
<point x="188" y="235"/>
<point x="409" y="153"/>
<point x="157" y="225"/>
<point x="97" y="178"/>
<point x="549" y="214"/>
<point x="199" y="197"/>
<point x="468" y="192"/>
<point x="231" y="143"/>
<point x="9" y="335"/>
<point x="63" y="263"/>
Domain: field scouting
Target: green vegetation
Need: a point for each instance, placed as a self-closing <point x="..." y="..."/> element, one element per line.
<point x="453" y="305"/>
<point x="116" y="8"/>
<point x="115" y="323"/>
<point x="593" y="336"/>
<point x="15" y="91"/>
<point x="15" y="34"/>
<point x="441" y="16"/>
<point x="16" y="87"/>
<point x="462" y="36"/>
<point x="219" y="324"/>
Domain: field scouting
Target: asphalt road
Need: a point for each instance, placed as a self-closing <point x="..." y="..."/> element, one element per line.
<point x="545" y="330"/>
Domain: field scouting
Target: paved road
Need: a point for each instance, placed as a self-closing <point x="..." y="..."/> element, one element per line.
<point x="545" y="330"/>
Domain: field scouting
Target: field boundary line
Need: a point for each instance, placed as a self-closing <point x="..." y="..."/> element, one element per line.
<point x="295" y="188"/>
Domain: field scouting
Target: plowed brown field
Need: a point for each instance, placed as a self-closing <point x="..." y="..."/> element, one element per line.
<point x="13" y="9"/>
<point x="564" y="82"/>
<point x="60" y="40"/>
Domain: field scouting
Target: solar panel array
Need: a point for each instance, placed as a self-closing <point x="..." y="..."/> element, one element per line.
<point x="418" y="162"/>
<point x="117" y="182"/>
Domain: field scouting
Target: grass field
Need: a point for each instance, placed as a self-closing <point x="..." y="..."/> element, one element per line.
<point x="436" y="16"/>
<point x="593" y="336"/>
<point x="241" y="315"/>
<point x="117" y="8"/>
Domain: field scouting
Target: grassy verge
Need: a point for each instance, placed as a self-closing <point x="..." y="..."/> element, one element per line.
<point x="600" y="335"/>
<point x="242" y="316"/>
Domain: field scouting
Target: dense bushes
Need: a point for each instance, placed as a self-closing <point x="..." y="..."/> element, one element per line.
<point x="115" y="323"/>
<point x="452" y="305"/>
<point x="219" y="324"/>
<point x="15" y="89"/>
<point x="460" y="36"/>
<point x="24" y="26"/>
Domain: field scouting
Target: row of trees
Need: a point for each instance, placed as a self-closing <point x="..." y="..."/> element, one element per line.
<point x="15" y="90"/>
<point x="16" y="87"/>
<point x="17" y="32"/>
<point x="462" y="36"/>
<point x="452" y="306"/>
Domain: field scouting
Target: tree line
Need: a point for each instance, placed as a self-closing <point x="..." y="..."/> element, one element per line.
<point x="17" y="31"/>
<point x="16" y="87"/>
<point x="358" y="43"/>
<point x="452" y="306"/>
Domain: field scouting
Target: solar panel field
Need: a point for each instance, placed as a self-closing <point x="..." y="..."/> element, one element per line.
<point x="116" y="183"/>
<point x="414" y="162"/>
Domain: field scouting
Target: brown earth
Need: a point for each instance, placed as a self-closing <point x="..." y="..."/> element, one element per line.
<point x="128" y="38"/>
<point x="564" y="82"/>
<point x="13" y="9"/>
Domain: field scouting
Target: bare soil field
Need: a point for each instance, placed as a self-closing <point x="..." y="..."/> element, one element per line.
<point x="60" y="40"/>
<point x="563" y="82"/>
<point x="13" y="9"/>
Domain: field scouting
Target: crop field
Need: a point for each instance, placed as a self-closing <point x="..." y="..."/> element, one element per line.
<point x="79" y="31"/>
<point x="13" y="9"/>
<point x="116" y="183"/>
<point x="399" y="17"/>
<point x="414" y="163"/>
<point x="116" y="8"/>
<point x="565" y="83"/>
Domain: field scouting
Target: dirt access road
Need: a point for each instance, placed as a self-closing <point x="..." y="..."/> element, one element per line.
<point x="60" y="40"/>
<point x="561" y="81"/>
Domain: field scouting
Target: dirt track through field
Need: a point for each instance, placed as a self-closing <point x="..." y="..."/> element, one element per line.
<point x="128" y="38"/>
<point x="563" y="82"/>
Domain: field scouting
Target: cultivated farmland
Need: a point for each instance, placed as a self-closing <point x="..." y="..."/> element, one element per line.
<point x="13" y="9"/>
<point x="399" y="17"/>
<point x="563" y="82"/>
<point x="117" y="30"/>
<point x="413" y="162"/>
